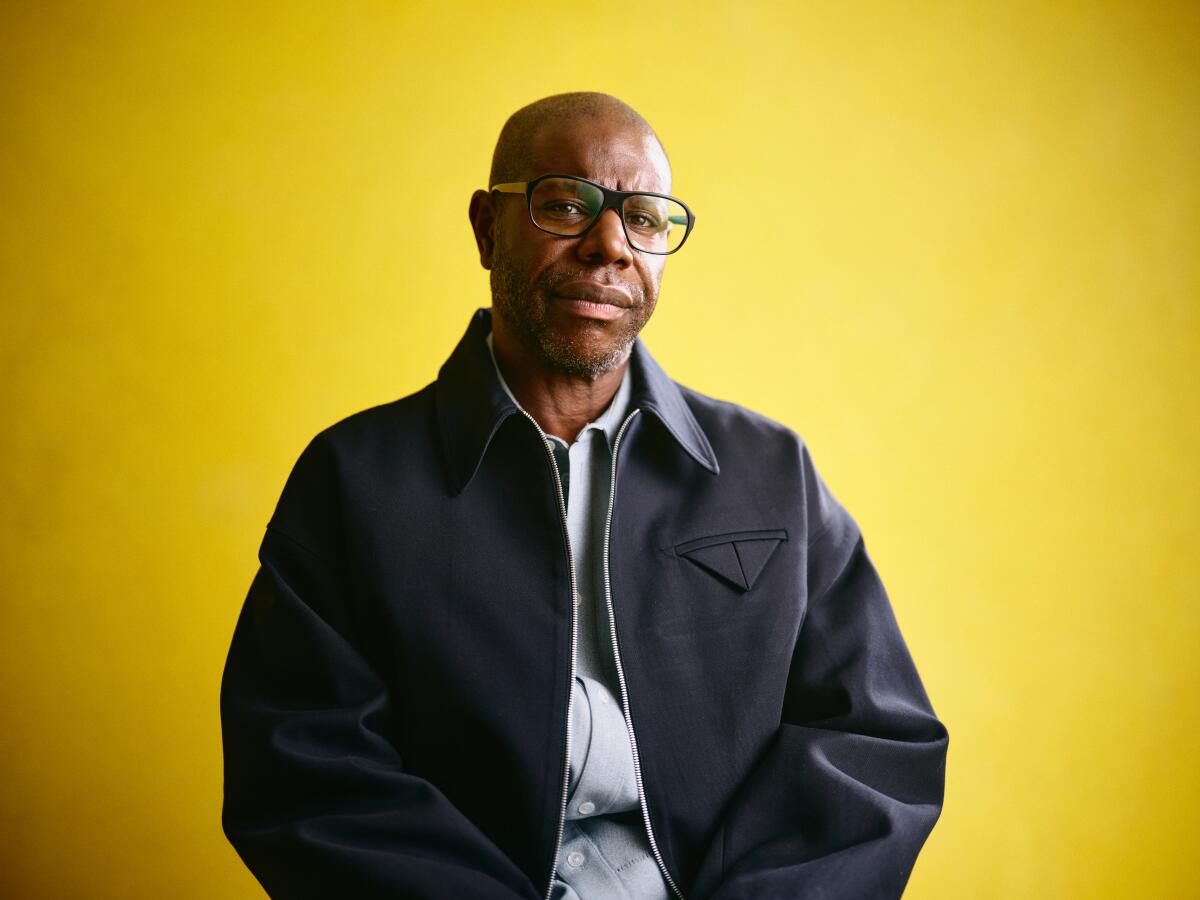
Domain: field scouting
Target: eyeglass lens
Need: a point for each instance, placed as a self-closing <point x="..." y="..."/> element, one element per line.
<point x="566" y="207"/>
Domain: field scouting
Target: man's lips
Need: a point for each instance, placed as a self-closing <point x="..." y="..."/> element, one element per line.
<point x="592" y="300"/>
<point x="595" y="292"/>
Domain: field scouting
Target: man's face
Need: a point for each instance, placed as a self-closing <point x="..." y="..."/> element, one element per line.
<point x="579" y="302"/>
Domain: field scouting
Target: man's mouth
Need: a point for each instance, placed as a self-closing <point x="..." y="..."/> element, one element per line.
<point x="592" y="300"/>
<point x="595" y="292"/>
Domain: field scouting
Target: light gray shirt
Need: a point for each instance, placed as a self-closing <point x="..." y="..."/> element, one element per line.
<point x="605" y="851"/>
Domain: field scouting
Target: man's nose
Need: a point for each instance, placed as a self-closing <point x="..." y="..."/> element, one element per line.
<point x="605" y="244"/>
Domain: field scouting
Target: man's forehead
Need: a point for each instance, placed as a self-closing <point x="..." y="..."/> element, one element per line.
<point x="616" y="155"/>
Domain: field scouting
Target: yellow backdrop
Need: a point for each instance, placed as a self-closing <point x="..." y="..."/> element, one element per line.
<point x="954" y="245"/>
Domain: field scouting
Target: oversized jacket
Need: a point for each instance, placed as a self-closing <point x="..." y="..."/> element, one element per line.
<point x="395" y="700"/>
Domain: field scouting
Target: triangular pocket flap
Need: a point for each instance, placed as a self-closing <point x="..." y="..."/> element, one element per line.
<point x="721" y="560"/>
<point x="753" y="556"/>
<point x="737" y="557"/>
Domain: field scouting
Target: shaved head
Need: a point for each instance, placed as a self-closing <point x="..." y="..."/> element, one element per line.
<point x="513" y="157"/>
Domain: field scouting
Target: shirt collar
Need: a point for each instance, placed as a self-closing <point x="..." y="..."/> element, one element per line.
<point x="472" y="403"/>
<point x="608" y="421"/>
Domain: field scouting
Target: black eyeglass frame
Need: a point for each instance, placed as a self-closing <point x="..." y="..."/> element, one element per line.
<point x="612" y="200"/>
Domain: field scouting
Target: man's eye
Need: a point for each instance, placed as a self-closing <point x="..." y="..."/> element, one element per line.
<point x="565" y="208"/>
<point x="643" y="221"/>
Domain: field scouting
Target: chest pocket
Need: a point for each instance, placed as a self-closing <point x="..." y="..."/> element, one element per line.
<point x="737" y="558"/>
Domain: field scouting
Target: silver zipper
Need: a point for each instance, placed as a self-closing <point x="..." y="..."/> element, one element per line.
<point x="566" y="779"/>
<point x="612" y="630"/>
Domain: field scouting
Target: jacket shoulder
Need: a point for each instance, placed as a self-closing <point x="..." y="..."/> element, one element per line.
<point x="382" y="423"/>
<point x="346" y="460"/>
<point x="725" y="420"/>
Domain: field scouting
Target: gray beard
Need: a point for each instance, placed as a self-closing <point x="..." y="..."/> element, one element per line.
<point x="526" y="317"/>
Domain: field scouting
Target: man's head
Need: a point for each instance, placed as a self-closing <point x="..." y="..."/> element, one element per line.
<point x="574" y="303"/>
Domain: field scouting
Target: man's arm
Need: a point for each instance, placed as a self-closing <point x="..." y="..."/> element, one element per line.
<point x="843" y="800"/>
<point x="317" y="802"/>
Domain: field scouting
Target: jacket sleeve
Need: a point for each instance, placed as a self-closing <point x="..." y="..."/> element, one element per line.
<point x="842" y="802"/>
<point x="317" y="802"/>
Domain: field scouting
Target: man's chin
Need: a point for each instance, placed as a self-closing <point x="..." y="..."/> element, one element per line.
<point x="583" y="358"/>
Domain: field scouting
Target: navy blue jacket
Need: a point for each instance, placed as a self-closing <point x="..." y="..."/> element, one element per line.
<point x="394" y="704"/>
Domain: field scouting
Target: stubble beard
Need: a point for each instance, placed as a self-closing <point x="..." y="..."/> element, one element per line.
<point x="525" y="310"/>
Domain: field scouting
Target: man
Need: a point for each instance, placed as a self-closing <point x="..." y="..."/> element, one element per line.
<point x="556" y="626"/>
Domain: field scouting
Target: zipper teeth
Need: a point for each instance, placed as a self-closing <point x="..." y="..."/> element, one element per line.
<point x="566" y="779"/>
<point x="612" y="627"/>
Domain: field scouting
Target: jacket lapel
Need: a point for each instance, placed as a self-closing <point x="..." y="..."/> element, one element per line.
<point x="471" y="404"/>
<point x="656" y="393"/>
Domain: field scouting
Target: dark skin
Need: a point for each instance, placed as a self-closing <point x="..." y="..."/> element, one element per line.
<point x="612" y="288"/>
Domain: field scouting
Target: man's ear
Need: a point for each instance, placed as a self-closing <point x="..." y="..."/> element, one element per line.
<point x="483" y="223"/>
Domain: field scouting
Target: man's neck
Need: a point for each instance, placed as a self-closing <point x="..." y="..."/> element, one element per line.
<point x="561" y="404"/>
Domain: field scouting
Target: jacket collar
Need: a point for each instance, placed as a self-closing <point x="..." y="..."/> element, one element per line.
<point x="471" y="404"/>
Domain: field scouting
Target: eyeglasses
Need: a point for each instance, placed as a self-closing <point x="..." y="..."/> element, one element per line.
<point x="567" y="206"/>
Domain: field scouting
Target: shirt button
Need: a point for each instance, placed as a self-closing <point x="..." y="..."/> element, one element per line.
<point x="575" y="860"/>
<point x="586" y="808"/>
